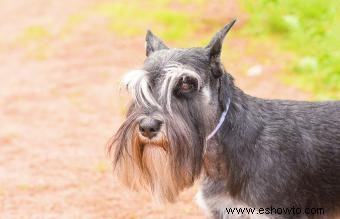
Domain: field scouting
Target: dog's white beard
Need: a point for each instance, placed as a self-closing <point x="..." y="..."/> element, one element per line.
<point x="162" y="185"/>
<point x="155" y="174"/>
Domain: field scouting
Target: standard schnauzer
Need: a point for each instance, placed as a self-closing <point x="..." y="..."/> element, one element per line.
<point x="188" y="120"/>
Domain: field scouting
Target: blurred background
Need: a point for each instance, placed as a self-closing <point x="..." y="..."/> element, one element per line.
<point x="60" y="67"/>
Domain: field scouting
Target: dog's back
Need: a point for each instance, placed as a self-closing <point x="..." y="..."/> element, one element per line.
<point x="297" y="158"/>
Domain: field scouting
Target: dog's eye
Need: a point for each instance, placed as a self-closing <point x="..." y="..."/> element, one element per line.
<point x="186" y="85"/>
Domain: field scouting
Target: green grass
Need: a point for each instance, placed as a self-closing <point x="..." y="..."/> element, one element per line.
<point x="36" y="32"/>
<point x="129" y="18"/>
<point x="310" y="29"/>
<point x="36" y="40"/>
<point x="72" y="23"/>
<point x="132" y="18"/>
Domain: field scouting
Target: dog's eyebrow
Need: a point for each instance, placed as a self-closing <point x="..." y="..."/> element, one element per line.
<point x="137" y="84"/>
<point x="132" y="77"/>
<point x="173" y="71"/>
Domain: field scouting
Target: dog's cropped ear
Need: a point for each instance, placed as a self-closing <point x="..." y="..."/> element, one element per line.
<point x="153" y="43"/>
<point x="214" y="48"/>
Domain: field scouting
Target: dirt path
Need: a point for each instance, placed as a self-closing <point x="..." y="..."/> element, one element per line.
<point x="59" y="106"/>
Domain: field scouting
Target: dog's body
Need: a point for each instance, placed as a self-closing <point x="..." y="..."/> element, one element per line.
<point x="264" y="154"/>
<point x="275" y="153"/>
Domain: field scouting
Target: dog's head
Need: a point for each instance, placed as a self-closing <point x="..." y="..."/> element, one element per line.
<point x="177" y="101"/>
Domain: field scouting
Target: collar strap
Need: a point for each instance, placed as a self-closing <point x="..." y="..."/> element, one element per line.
<point x="220" y="122"/>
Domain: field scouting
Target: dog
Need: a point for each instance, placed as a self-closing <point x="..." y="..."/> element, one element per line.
<point x="188" y="121"/>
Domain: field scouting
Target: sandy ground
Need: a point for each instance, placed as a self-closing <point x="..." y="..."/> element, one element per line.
<point x="60" y="104"/>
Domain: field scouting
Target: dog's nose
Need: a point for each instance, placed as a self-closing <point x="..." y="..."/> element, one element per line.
<point x="149" y="127"/>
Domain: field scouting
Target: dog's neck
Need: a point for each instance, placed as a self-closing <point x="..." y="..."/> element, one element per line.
<point x="222" y="157"/>
<point x="220" y="121"/>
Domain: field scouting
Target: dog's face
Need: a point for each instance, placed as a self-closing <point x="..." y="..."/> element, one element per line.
<point x="175" y="104"/>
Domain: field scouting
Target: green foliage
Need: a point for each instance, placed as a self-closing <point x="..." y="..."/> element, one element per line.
<point x="310" y="29"/>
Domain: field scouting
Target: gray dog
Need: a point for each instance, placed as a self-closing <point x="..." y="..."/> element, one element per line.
<point x="256" y="158"/>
